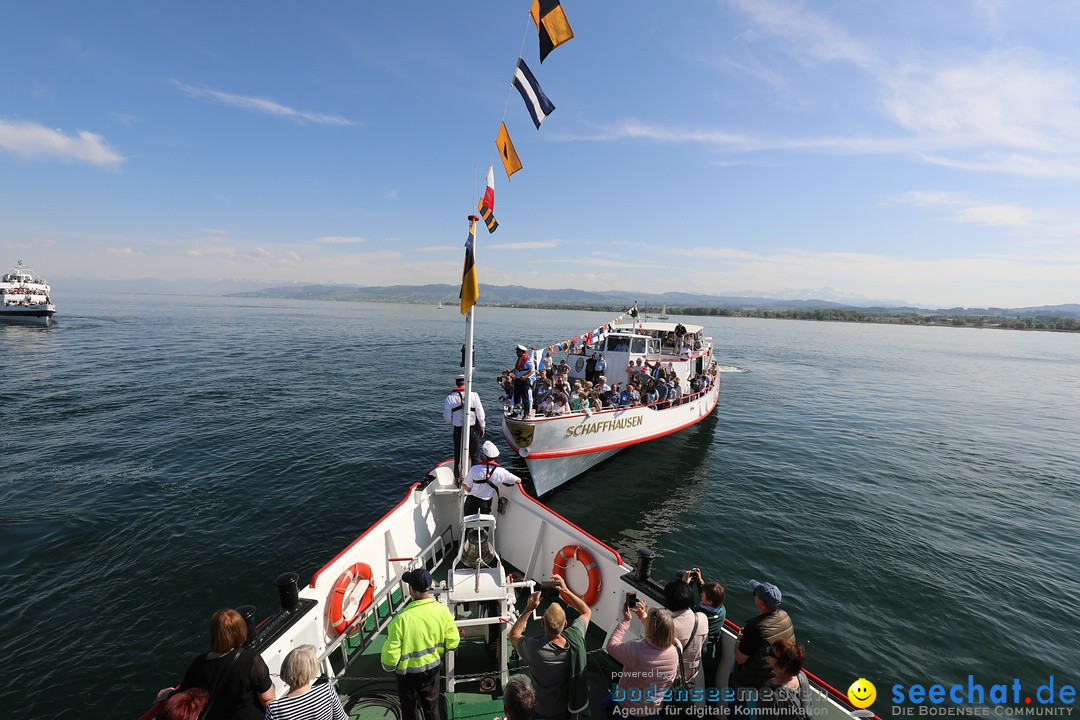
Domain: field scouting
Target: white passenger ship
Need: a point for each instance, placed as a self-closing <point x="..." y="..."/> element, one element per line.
<point x="25" y="297"/>
<point x="561" y="447"/>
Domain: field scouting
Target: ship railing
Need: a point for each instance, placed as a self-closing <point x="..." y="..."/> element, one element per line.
<point x="385" y="606"/>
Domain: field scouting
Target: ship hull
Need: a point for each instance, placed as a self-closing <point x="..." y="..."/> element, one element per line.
<point x="558" y="449"/>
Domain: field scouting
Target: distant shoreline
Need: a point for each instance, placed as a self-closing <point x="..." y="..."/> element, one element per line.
<point x="1048" y="323"/>
<point x="962" y="317"/>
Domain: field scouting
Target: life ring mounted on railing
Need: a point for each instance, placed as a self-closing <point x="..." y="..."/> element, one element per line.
<point x="585" y="558"/>
<point x="340" y="620"/>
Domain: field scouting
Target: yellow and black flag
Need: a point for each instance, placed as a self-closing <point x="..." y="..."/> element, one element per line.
<point x="509" y="155"/>
<point x="552" y="25"/>
<point x="470" y="290"/>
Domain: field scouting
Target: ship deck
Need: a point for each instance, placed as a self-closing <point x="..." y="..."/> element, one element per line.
<point x="369" y="693"/>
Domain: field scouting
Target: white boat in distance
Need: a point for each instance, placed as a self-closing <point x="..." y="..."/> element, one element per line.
<point x="24" y="296"/>
<point x="560" y="447"/>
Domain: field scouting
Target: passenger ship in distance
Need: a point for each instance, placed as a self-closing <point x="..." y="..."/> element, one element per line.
<point x="25" y="297"/>
<point x="560" y="447"/>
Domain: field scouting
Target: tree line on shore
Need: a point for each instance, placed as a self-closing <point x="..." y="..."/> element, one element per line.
<point x="1054" y="323"/>
<point x="1041" y="322"/>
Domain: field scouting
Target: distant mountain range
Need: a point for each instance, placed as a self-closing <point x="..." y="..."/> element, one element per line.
<point x="517" y="296"/>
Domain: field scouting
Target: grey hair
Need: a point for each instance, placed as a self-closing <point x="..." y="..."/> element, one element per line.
<point x="300" y="666"/>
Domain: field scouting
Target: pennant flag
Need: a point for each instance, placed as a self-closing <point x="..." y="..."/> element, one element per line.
<point x="552" y="25"/>
<point x="535" y="100"/>
<point x="507" y="152"/>
<point x="487" y="203"/>
<point x="633" y="311"/>
<point x="470" y="290"/>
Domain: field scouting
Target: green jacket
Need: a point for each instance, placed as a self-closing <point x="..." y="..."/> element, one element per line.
<point x="418" y="637"/>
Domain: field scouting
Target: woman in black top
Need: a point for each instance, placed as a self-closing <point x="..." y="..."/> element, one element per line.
<point x="236" y="678"/>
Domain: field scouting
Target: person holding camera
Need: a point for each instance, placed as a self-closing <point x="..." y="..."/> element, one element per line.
<point x="712" y="605"/>
<point x="691" y="627"/>
<point x="649" y="665"/>
<point x="556" y="659"/>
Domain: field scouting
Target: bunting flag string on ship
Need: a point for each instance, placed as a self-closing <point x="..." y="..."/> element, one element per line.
<point x="593" y="337"/>
<point x="487" y="203"/>
<point x="551" y="24"/>
<point x="536" y="102"/>
<point x="470" y="289"/>
<point x="553" y="30"/>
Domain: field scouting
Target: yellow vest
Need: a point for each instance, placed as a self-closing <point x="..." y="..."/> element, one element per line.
<point x="418" y="637"/>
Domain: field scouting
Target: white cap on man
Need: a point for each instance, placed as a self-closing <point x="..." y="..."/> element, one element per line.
<point x="489" y="449"/>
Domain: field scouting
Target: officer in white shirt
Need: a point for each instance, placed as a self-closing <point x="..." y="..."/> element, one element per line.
<point x="453" y="413"/>
<point x="484" y="479"/>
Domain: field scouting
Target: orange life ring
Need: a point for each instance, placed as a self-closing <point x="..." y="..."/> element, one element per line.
<point x="585" y="558"/>
<point x="349" y="578"/>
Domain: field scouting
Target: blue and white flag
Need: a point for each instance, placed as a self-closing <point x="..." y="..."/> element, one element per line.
<point x="535" y="100"/>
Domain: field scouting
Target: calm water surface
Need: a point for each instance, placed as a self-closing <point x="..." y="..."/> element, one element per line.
<point x="913" y="491"/>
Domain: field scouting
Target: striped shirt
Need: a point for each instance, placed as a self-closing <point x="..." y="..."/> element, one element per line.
<point x="319" y="703"/>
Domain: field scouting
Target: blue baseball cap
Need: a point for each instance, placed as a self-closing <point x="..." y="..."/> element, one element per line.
<point x="418" y="579"/>
<point x="769" y="593"/>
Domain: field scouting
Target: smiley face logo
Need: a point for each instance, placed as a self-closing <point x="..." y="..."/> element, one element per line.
<point x="862" y="693"/>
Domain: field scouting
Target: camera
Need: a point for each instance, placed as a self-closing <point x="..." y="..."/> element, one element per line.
<point x="683" y="575"/>
<point x="631" y="600"/>
<point x="549" y="589"/>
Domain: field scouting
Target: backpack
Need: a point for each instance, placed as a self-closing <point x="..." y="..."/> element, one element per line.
<point x="711" y="649"/>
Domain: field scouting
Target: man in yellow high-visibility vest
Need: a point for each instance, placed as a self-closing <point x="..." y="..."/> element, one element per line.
<point x="415" y="643"/>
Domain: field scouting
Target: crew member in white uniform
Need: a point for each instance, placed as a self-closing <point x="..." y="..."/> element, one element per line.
<point x="453" y="413"/>
<point x="483" y="480"/>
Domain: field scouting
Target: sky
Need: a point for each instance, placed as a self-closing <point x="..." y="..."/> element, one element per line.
<point x="920" y="152"/>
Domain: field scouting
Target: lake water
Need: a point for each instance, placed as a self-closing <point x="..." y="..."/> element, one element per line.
<point x="913" y="491"/>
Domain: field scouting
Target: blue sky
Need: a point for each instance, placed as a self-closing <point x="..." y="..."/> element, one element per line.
<point x="925" y="152"/>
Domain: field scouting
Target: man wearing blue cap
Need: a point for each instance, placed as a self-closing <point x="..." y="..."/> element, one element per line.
<point x="415" y="643"/>
<point x="752" y="646"/>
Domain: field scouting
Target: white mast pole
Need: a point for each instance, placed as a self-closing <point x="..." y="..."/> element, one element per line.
<point x="466" y="417"/>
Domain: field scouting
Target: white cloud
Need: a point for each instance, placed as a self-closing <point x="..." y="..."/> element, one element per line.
<point x="340" y="240"/>
<point x="123" y="252"/>
<point x="259" y="105"/>
<point x="608" y="262"/>
<point x="32" y="141"/>
<point x="1006" y="110"/>
<point x="970" y="211"/>
<point x="212" y="252"/>
<point x="807" y="34"/>
<point x="999" y="100"/>
<point x="538" y="245"/>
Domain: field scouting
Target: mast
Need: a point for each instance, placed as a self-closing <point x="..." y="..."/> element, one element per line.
<point x="466" y="405"/>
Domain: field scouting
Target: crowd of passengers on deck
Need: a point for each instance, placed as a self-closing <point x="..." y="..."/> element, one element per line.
<point x="653" y="385"/>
